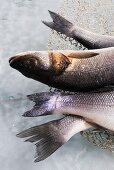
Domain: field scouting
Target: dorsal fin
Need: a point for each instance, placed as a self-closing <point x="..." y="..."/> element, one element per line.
<point x="82" y="54"/>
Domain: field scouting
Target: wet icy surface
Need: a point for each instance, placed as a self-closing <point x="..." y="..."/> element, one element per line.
<point x="21" y="30"/>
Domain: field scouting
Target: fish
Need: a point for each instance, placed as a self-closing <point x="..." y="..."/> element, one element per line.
<point x="94" y="125"/>
<point x="69" y="70"/>
<point x="87" y="38"/>
<point x="52" y="135"/>
<point x="96" y="107"/>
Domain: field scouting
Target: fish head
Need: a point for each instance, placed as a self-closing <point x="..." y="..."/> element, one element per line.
<point x="40" y="65"/>
<point x="31" y="63"/>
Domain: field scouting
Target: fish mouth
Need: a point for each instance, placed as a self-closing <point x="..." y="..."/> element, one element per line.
<point x="16" y="62"/>
<point x="12" y="61"/>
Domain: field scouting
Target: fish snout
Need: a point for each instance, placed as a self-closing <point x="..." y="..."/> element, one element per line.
<point x="23" y="62"/>
<point x="12" y="61"/>
<point x="15" y="62"/>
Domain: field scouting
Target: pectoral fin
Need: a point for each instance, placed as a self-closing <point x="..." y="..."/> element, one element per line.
<point x="83" y="54"/>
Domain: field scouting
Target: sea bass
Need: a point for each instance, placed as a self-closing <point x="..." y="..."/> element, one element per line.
<point x="88" y="110"/>
<point x="96" y="107"/>
<point x="67" y="69"/>
<point x="88" y="39"/>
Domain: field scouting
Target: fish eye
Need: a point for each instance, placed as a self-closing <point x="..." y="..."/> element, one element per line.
<point x="32" y="61"/>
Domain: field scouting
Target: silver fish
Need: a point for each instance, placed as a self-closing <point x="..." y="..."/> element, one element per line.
<point x="90" y="110"/>
<point x="67" y="69"/>
<point x="88" y="39"/>
<point x="52" y="135"/>
<point x="96" y="107"/>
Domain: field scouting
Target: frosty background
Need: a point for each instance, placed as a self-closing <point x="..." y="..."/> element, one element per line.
<point x="21" y="30"/>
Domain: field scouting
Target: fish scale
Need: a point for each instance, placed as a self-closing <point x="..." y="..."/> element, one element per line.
<point x="104" y="99"/>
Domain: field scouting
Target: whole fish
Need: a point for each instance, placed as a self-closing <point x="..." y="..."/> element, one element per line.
<point x="88" y="39"/>
<point x="52" y="135"/>
<point x="67" y="69"/>
<point x="88" y="110"/>
<point x="96" y="107"/>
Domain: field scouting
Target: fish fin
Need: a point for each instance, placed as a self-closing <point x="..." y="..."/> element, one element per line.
<point x="44" y="104"/>
<point x="49" y="24"/>
<point x="47" y="137"/>
<point x="60" y="24"/>
<point x="100" y="137"/>
<point x="36" y="111"/>
<point x="59" y="62"/>
<point x="50" y="136"/>
<point x="83" y="54"/>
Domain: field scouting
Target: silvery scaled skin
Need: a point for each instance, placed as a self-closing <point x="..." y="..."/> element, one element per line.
<point x="67" y="69"/>
<point x="89" y="39"/>
<point x="96" y="107"/>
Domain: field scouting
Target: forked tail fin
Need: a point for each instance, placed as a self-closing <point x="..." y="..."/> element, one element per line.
<point x="52" y="135"/>
<point x="44" y="104"/>
<point x="86" y="38"/>
<point x="46" y="137"/>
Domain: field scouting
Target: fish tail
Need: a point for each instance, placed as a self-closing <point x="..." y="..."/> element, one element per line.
<point x="46" y="137"/>
<point x="44" y="104"/>
<point x="60" y="24"/>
